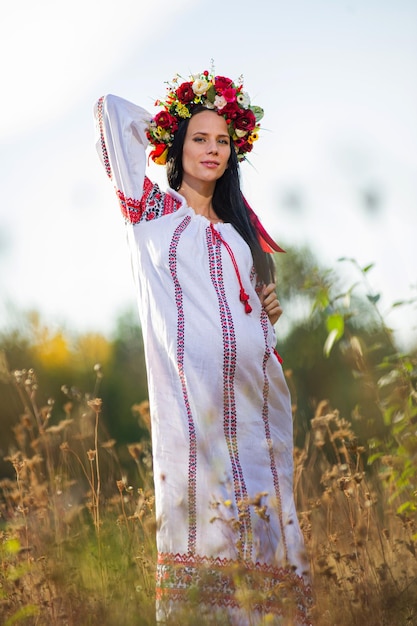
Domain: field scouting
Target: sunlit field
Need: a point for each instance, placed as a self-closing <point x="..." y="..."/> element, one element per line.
<point x="77" y="518"/>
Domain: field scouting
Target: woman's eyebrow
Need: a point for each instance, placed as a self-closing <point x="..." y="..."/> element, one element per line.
<point x="202" y="132"/>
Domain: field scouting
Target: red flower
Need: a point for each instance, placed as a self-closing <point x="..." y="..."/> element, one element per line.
<point x="245" y="120"/>
<point x="240" y="142"/>
<point x="244" y="146"/>
<point x="185" y="93"/>
<point x="166" y="120"/>
<point x="159" y="154"/>
<point x="231" y="110"/>
<point x="221" y="83"/>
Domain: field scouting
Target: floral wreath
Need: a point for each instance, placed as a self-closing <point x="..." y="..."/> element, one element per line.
<point x="218" y="93"/>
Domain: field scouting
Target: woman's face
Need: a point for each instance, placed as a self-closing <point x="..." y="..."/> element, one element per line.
<point x="206" y="149"/>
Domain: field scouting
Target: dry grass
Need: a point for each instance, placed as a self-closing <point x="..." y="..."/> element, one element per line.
<point x="77" y="538"/>
<point x="363" y="554"/>
<point x="76" y="545"/>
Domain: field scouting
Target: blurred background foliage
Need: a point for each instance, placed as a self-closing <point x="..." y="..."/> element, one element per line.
<point x="76" y="496"/>
<point x="331" y="337"/>
<point x="64" y="364"/>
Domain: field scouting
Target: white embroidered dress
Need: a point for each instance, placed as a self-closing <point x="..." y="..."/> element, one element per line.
<point x="220" y="407"/>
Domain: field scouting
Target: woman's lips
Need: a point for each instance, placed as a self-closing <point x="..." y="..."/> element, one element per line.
<point x="210" y="164"/>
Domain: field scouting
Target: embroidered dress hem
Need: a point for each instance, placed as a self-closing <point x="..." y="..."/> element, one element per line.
<point x="235" y="592"/>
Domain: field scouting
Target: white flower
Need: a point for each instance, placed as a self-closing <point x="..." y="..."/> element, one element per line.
<point x="240" y="133"/>
<point x="200" y="86"/>
<point x="220" y="102"/>
<point x="243" y="99"/>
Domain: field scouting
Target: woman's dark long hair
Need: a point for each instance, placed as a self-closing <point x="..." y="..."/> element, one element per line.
<point x="228" y="200"/>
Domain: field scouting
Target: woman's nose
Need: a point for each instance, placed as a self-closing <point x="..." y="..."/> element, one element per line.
<point x="212" y="147"/>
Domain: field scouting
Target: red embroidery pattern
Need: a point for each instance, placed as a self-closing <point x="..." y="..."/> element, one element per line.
<point x="131" y="209"/>
<point x="265" y="418"/>
<point x="214" y="246"/>
<point x="217" y="579"/>
<point x="106" y="160"/>
<point x="153" y="204"/>
<point x="171" y="204"/>
<point x="192" y="452"/>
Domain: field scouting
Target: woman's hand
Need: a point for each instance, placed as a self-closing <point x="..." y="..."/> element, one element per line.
<point x="270" y="303"/>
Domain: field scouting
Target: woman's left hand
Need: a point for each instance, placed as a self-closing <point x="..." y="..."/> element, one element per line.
<point x="270" y="303"/>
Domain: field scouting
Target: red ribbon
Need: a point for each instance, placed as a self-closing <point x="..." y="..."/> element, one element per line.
<point x="266" y="241"/>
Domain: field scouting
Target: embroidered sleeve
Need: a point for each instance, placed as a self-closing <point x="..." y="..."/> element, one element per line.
<point x="153" y="204"/>
<point x="121" y="145"/>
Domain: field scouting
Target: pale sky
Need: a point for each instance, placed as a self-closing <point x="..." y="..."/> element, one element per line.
<point x="337" y="80"/>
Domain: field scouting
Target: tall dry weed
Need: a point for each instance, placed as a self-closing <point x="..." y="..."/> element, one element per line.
<point x="77" y="535"/>
<point x="362" y="552"/>
<point x="76" y="539"/>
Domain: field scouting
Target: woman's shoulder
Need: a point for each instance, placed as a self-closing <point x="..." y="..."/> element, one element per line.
<point x="153" y="204"/>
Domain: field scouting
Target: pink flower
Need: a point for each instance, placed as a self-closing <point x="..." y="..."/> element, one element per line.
<point x="219" y="102"/>
<point x="229" y="94"/>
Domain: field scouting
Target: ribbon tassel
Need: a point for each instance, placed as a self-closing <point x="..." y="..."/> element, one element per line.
<point x="245" y="299"/>
<point x="243" y="296"/>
